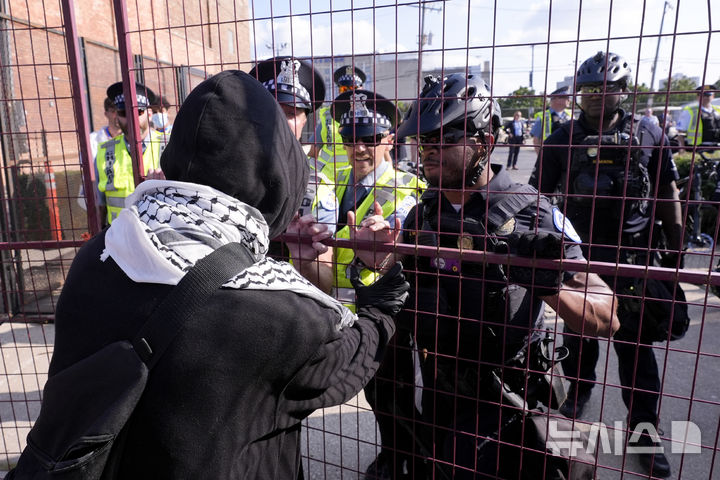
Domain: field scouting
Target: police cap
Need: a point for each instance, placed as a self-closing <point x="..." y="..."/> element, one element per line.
<point x="706" y="90"/>
<point x="561" y="92"/>
<point x="362" y="113"/>
<point x="292" y="81"/>
<point x="349" y="76"/>
<point x="145" y="96"/>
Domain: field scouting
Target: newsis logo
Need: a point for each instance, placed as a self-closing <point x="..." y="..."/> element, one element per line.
<point x="685" y="438"/>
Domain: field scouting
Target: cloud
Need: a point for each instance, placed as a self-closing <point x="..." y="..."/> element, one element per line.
<point x="317" y="39"/>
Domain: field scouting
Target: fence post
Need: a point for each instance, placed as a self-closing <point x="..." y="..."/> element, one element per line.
<point x="80" y="106"/>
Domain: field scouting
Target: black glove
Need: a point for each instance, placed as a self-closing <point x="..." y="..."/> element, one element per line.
<point x="540" y="245"/>
<point x="670" y="260"/>
<point x="387" y="294"/>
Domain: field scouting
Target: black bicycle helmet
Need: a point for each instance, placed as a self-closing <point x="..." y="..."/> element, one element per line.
<point x="458" y="101"/>
<point x="601" y="68"/>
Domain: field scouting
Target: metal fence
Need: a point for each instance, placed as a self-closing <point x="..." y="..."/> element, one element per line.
<point x="57" y="59"/>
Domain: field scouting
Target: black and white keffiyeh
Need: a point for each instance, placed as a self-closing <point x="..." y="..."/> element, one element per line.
<point x="168" y="226"/>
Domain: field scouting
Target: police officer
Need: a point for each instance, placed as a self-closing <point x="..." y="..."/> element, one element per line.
<point x="609" y="208"/>
<point x="469" y="318"/>
<point x="557" y="113"/>
<point x="327" y="145"/>
<point x="707" y="128"/>
<point x="300" y="90"/>
<point x="113" y="161"/>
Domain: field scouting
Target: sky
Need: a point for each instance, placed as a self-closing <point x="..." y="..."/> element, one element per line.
<point x="549" y="37"/>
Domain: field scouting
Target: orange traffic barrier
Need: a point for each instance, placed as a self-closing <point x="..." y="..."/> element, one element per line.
<point x="52" y="201"/>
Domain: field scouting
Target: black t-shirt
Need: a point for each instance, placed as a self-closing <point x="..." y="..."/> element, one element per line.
<point x="552" y="170"/>
<point x="450" y="301"/>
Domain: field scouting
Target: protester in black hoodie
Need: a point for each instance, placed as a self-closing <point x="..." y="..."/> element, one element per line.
<point x="227" y="397"/>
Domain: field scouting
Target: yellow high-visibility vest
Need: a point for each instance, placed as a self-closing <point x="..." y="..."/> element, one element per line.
<point x="115" y="170"/>
<point x="694" y="134"/>
<point x="547" y="126"/>
<point x="332" y="150"/>
<point x="391" y="190"/>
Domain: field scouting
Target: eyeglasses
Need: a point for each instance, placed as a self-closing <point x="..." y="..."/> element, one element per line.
<point x="448" y="138"/>
<point x="595" y="89"/>
<point x="368" y="140"/>
<point x="345" y="88"/>
<point x="122" y="113"/>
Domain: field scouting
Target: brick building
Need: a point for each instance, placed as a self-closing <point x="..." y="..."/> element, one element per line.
<point x="175" y="45"/>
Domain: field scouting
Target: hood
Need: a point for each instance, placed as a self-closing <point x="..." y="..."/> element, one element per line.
<point x="230" y="134"/>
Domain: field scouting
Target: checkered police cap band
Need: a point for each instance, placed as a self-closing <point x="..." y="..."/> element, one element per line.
<point x="296" y="90"/>
<point x="353" y="79"/>
<point x="374" y="118"/>
<point x="142" y="100"/>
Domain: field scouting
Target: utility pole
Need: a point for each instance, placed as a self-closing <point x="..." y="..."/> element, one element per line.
<point x="422" y="39"/>
<point x="532" y="64"/>
<point x="657" y="52"/>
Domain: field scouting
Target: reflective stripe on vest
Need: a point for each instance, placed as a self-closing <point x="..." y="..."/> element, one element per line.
<point x="115" y="170"/>
<point x="547" y="126"/>
<point x="332" y="150"/>
<point x="694" y="132"/>
<point x="389" y="193"/>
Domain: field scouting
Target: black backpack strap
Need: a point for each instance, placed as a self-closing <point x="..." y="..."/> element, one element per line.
<point x="188" y="296"/>
<point x="505" y="205"/>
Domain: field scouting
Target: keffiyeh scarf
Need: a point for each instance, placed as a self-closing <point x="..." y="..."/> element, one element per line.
<point x="168" y="226"/>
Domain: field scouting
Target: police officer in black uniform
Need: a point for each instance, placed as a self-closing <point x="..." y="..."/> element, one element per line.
<point x="437" y="395"/>
<point x="617" y="169"/>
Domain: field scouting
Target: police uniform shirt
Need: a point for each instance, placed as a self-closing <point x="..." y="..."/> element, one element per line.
<point x="556" y="154"/>
<point x="356" y="192"/>
<point x="466" y="282"/>
<point x="536" y="129"/>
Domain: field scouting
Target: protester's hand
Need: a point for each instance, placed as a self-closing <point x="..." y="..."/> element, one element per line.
<point x="306" y="226"/>
<point x="387" y="294"/>
<point x="373" y="229"/>
<point x="541" y="245"/>
<point x="155" y="174"/>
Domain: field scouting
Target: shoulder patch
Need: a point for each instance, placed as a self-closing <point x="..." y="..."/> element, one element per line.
<point x="329" y="201"/>
<point x="563" y="225"/>
<point x="405" y="206"/>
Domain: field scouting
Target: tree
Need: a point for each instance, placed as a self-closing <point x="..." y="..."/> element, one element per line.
<point x="524" y="99"/>
<point x="679" y="83"/>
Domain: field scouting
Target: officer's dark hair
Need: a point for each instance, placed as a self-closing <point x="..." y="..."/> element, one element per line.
<point x="108" y="104"/>
<point x="602" y="68"/>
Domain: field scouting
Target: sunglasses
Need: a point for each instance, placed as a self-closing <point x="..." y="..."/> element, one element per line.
<point x="122" y="113"/>
<point x="595" y="89"/>
<point x="368" y="140"/>
<point x="435" y="140"/>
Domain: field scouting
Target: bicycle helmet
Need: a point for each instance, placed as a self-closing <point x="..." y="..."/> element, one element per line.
<point x="601" y="68"/>
<point x="458" y="101"/>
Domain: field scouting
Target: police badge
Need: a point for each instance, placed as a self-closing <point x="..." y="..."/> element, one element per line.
<point x="359" y="109"/>
<point x="289" y="73"/>
<point x="465" y="242"/>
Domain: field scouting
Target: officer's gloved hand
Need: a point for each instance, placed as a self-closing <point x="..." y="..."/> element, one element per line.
<point x="670" y="260"/>
<point x="540" y="245"/>
<point x="387" y="294"/>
